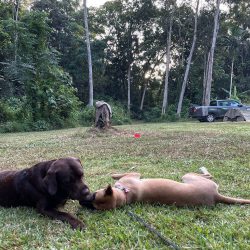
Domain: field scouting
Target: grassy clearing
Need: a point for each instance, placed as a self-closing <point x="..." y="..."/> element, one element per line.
<point x="165" y="150"/>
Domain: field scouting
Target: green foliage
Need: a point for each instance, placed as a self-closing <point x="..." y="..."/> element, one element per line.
<point x="48" y="98"/>
<point x="185" y="108"/>
<point x="41" y="125"/>
<point x="49" y="110"/>
<point x="170" y="115"/>
<point x="235" y="94"/>
<point x="13" y="126"/>
<point x="12" y="109"/>
<point x="6" y="113"/>
<point x="152" y="115"/>
<point x="245" y="97"/>
<point x="87" y="117"/>
<point x="119" y="114"/>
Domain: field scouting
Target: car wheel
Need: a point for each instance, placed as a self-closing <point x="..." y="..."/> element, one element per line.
<point x="210" y="118"/>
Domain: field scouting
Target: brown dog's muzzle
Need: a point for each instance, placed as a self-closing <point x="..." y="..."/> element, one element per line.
<point x="79" y="192"/>
<point x="85" y="191"/>
<point x="88" y="201"/>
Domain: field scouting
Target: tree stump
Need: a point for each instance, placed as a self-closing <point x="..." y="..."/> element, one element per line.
<point x="103" y="115"/>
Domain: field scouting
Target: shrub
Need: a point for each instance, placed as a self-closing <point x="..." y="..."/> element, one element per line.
<point x="87" y="116"/>
<point x="170" y="115"/>
<point x="14" y="109"/>
<point x="185" y="109"/>
<point x="152" y="115"/>
<point x="13" y="126"/>
<point x="119" y="114"/>
<point x="41" y="125"/>
<point x="6" y="113"/>
<point x="59" y="110"/>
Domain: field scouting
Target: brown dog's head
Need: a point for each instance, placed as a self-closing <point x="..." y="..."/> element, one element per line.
<point x="64" y="177"/>
<point x="103" y="199"/>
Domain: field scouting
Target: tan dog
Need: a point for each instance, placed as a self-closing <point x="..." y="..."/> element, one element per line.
<point x="196" y="190"/>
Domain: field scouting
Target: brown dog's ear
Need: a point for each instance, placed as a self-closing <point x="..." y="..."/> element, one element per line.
<point x="109" y="190"/>
<point x="50" y="182"/>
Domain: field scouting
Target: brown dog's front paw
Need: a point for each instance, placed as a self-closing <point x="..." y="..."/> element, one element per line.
<point x="77" y="224"/>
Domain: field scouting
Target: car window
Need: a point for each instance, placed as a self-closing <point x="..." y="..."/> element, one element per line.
<point x="234" y="103"/>
<point x="224" y="103"/>
<point x="213" y="103"/>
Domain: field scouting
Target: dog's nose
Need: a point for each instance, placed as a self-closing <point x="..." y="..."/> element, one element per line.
<point x="87" y="201"/>
<point x="88" y="198"/>
<point x="85" y="191"/>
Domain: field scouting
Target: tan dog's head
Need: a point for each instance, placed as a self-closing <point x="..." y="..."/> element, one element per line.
<point x="103" y="199"/>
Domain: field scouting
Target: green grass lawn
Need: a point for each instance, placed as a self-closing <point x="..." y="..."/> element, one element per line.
<point x="166" y="150"/>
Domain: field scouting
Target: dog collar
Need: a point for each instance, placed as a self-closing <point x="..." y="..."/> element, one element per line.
<point x="124" y="189"/>
<point x="121" y="187"/>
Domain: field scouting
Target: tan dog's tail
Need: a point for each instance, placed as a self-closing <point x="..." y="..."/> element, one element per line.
<point x="229" y="200"/>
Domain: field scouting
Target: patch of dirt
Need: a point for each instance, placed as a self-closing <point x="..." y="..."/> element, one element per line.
<point x="96" y="132"/>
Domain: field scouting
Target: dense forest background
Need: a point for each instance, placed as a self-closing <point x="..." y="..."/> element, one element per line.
<point x="44" y="76"/>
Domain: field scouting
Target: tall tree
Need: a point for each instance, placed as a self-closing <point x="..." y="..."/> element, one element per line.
<point x="184" y="84"/>
<point x="168" y="58"/>
<point x="210" y="60"/>
<point x="91" y="94"/>
<point x="16" y="7"/>
<point x="129" y="87"/>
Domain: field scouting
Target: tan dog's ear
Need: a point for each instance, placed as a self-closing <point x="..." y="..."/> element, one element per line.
<point x="109" y="190"/>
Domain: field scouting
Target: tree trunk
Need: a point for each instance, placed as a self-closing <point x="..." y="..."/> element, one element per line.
<point x="145" y="88"/>
<point x="89" y="54"/>
<point x="231" y="78"/>
<point x="16" y="6"/>
<point x="129" y="84"/>
<point x="204" y="78"/>
<point x="184" y="84"/>
<point x="211" y="55"/>
<point x="143" y="96"/>
<point x="168" y="57"/>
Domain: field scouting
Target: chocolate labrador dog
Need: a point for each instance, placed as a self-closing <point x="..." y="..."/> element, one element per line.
<point x="46" y="186"/>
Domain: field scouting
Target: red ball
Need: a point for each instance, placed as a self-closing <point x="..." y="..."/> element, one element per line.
<point x="137" y="135"/>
